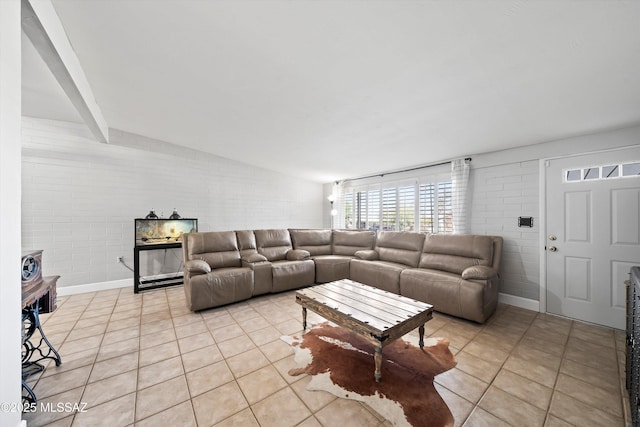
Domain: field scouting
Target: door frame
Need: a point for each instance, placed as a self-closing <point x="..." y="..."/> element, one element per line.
<point x="542" y="165"/>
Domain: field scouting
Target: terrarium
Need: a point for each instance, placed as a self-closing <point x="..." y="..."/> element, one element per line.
<point x="158" y="231"/>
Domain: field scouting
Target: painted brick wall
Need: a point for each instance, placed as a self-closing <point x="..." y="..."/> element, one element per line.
<point x="499" y="195"/>
<point x="80" y="198"/>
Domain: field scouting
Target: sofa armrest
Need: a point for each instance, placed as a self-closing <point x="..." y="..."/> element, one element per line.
<point x="479" y="272"/>
<point x="252" y="258"/>
<point x="367" y="254"/>
<point x="298" y="255"/>
<point x="197" y="266"/>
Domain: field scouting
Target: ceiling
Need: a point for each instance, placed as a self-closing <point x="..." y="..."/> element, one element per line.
<point x="326" y="90"/>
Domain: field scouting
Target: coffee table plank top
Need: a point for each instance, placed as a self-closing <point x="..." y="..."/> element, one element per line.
<point x="373" y="309"/>
<point x="334" y="302"/>
<point x="360" y="306"/>
<point x="384" y="300"/>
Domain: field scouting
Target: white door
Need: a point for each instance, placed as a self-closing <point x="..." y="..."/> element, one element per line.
<point x="593" y="234"/>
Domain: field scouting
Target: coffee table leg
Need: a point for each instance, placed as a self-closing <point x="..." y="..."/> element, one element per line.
<point x="421" y="333"/>
<point x="377" y="358"/>
<point x="304" y="319"/>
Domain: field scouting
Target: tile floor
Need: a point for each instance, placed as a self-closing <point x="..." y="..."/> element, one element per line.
<point x="146" y="360"/>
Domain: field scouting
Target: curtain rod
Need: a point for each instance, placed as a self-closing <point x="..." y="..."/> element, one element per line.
<point x="401" y="171"/>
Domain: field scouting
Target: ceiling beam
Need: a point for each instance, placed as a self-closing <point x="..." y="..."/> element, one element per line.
<point x="41" y="24"/>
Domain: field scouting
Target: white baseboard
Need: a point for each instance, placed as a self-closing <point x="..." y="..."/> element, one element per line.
<point x="94" y="287"/>
<point x="529" y="304"/>
<point x="521" y="302"/>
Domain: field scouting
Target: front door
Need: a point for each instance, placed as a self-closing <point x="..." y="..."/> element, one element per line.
<point x="592" y="235"/>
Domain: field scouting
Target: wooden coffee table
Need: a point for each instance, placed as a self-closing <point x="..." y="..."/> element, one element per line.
<point x="378" y="316"/>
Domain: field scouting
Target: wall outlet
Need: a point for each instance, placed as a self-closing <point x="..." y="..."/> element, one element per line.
<point x="120" y="259"/>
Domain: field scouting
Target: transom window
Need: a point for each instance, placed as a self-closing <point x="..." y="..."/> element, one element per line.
<point x="609" y="171"/>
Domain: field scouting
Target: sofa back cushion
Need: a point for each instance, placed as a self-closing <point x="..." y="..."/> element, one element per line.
<point x="455" y="252"/>
<point x="273" y="244"/>
<point x="246" y="242"/>
<point x="316" y="242"/>
<point x="219" y="249"/>
<point x="348" y="242"/>
<point x="401" y="247"/>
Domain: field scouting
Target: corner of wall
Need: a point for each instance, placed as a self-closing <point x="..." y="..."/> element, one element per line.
<point x="516" y="301"/>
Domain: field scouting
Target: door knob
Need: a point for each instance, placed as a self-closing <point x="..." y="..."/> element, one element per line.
<point x="553" y="249"/>
<point x="552" y="237"/>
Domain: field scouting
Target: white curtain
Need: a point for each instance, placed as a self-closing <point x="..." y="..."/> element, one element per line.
<point x="459" y="183"/>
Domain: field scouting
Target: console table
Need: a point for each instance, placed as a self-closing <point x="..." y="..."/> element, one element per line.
<point x="41" y="297"/>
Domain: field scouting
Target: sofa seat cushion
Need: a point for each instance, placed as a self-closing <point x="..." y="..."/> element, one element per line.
<point x="292" y="274"/>
<point x="330" y="268"/>
<point x="448" y="292"/>
<point x="384" y="275"/>
<point x="219" y="287"/>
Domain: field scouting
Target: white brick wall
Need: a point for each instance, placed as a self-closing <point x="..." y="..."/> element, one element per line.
<point x="80" y="198"/>
<point x="499" y="195"/>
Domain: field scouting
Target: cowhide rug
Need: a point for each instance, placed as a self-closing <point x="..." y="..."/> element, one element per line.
<point x="341" y="363"/>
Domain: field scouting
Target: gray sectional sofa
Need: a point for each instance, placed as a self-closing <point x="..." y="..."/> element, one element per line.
<point x="458" y="274"/>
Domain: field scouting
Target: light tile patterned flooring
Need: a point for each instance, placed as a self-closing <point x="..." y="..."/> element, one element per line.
<point x="146" y="360"/>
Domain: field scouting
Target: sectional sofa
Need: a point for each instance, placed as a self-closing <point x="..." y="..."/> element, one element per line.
<point x="458" y="274"/>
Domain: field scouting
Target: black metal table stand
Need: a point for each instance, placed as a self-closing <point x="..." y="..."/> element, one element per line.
<point x="33" y="354"/>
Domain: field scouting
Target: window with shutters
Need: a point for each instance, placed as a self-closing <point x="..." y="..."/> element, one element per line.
<point x="389" y="208"/>
<point x="427" y="207"/>
<point x="424" y="207"/>
<point x="445" y="211"/>
<point x="361" y="210"/>
<point x="406" y="208"/>
<point x="373" y="212"/>
<point x="367" y="210"/>
<point x="348" y="210"/>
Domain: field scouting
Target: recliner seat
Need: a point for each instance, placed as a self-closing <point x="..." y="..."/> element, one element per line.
<point x="214" y="270"/>
<point x="332" y="250"/>
<point x="290" y="268"/>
